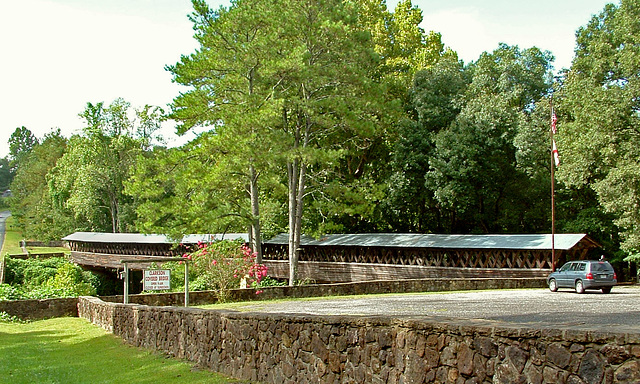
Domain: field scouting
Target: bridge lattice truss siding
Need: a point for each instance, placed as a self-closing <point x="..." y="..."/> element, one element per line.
<point x="421" y="257"/>
<point x="428" y="257"/>
<point x="129" y="249"/>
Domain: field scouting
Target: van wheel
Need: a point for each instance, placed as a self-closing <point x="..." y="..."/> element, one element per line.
<point x="579" y="286"/>
<point x="606" y="290"/>
<point x="553" y="286"/>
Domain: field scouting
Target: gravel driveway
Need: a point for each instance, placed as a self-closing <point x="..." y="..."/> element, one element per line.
<point x="618" y="311"/>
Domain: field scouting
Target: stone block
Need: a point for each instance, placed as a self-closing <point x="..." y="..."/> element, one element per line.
<point x="615" y="354"/>
<point x="485" y="346"/>
<point x="558" y="355"/>
<point x="465" y="359"/>
<point x="628" y="373"/>
<point x="592" y="366"/>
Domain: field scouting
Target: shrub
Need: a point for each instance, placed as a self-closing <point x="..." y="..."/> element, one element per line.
<point x="31" y="272"/>
<point x="46" y="278"/>
<point x="69" y="282"/>
<point x="223" y="265"/>
<point x="269" y="281"/>
<point x="9" y="292"/>
<point x="7" y="318"/>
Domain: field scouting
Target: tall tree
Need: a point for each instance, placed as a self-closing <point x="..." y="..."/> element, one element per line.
<point x="353" y="197"/>
<point x="327" y="93"/>
<point x="279" y="82"/>
<point x="474" y="174"/>
<point x="6" y="175"/>
<point x="232" y="78"/>
<point x="436" y="100"/>
<point x="31" y="204"/>
<point x="21" y="142"/>
<point x="89" y="179"/>
<point x="599" y="105"/>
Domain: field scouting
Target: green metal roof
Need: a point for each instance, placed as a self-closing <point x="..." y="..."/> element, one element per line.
<point x="140" y="238"/>
<point x="527" y="241"/>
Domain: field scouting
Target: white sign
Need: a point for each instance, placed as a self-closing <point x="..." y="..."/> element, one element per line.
<point x="157" y="279"/>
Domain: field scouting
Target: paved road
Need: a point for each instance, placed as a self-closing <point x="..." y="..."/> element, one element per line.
<point x="618" y="311"/>
<point x="3" y="218"/>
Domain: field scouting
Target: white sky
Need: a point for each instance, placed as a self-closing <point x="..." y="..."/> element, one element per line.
<point x="57" y="55"/>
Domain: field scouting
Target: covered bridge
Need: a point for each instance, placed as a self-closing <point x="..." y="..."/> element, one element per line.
<point x="106" y="250"/>
<point x="359" y="257"/>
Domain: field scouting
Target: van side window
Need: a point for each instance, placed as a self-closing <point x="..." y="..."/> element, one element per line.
<point x="581" y="266"/>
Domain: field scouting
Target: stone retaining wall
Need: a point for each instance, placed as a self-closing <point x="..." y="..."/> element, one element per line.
<point x="285" y="348"/>
<point x="40" y="309"/>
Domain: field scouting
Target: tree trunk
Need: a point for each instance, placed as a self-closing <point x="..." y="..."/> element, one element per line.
<point x="256" y="236"/>
<point x="297" y="186"/>
<point x="293" y="173"/>
<point x="113" y="210"/>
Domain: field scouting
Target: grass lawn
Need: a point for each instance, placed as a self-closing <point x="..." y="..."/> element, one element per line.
<point x="12" y="238"/>
<point x="40" y="250"/>
<point x="72" y="350"/>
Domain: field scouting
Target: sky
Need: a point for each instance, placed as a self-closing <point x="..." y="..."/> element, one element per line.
<point x="57" y="55"/>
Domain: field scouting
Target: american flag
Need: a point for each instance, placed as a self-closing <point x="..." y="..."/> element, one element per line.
<point x="556" y="157"/>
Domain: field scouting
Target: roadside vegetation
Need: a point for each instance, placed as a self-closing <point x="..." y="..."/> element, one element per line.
<point x="12" y="238"/>
<point x="219" y="266"/>
<point x="41" y="277"/>
<point x="71" y="350"/>
<point x="384" y="130"/>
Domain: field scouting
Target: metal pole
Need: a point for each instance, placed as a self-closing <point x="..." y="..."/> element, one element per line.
<point x="186" y="284"/>
<point x="553" y="204"/>
<point x="126" y="283"/>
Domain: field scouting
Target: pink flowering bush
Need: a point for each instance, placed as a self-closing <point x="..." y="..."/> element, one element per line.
<point x="225" y="265"/>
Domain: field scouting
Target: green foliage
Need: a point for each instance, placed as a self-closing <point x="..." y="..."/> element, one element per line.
<point x="6" y="175"/>
<point x="457" y="162"/>
<point x="31" y="272"/>
<point x="69" y="281"/>
<point x="225" y="265"/>
<point x="9" y="292"/>
<point x="598" y="110"/>
<point x="7" y="318"/>
<point x="21" y="142"/>
<point x="269" y="281"/>
<point x="184" y="190"/>
<point x="88" y="180"/>
<point x="46" y="278"/>
<point x="31" y="198"/>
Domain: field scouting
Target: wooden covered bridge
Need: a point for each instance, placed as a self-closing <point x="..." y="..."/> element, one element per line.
<point x="106" y="250"/>
<point x="359" y="257"/>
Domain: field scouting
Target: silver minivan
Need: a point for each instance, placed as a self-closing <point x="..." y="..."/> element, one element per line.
<point x="582" y="275"/>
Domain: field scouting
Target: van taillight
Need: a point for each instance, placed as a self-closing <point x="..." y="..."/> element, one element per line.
<point x="615" y="277"/>
<point x="589" y="276"/>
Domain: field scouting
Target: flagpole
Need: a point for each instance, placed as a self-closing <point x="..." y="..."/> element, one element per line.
<point x="553" y="205"/>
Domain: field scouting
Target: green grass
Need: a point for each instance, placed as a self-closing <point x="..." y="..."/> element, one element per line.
<point x="41" y="250"/>
<point x="71" y="350"/>
<point x="12" y="238"/>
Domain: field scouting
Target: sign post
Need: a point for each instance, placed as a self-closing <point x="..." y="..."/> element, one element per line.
<point x="159" y="279"/>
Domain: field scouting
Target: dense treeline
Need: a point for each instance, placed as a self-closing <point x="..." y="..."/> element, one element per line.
<point x="324" y="116"/>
